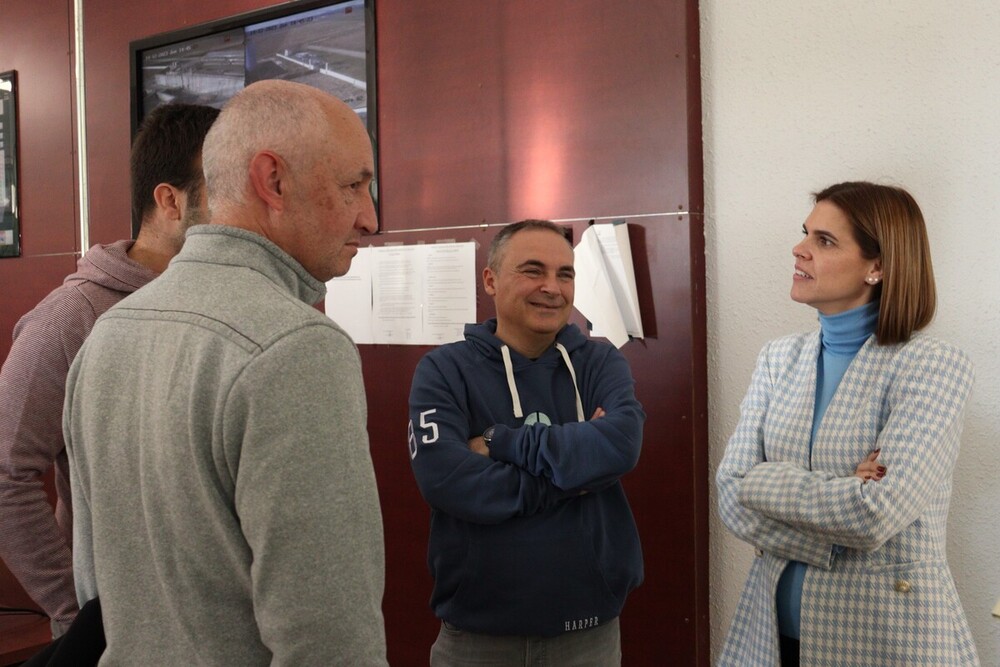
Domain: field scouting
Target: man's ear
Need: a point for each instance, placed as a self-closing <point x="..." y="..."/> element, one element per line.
<point x="168" y="201"/>
<point x="267" y="170"/>
<point x="489" y="281"/>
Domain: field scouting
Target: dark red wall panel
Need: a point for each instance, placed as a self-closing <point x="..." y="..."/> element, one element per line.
<point x="494" y="111"/>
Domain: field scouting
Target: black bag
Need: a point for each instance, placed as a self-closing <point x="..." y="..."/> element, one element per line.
<point x="81" y="645"/>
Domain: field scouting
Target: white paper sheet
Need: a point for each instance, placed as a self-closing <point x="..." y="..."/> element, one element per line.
<point x="618" y="258"/>
<point x="595" y="296"/>
<point x="605" y="283"/>
<point x="397" y="290"/>
<point x="449" y="291"/>
<point x="406" y="295"/>
<point x="349" y="298"/>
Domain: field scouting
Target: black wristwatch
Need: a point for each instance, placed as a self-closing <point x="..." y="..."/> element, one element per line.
<point x="488" y="435"/>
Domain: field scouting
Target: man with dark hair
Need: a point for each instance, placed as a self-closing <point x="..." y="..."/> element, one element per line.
<point x="216" y="424"/>
<point x="167" y="151"/>
<point x="166" y="190"/>
<point x="518" y="438"/>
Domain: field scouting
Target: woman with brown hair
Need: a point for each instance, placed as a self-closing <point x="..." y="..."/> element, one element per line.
<point x="839" y="471"/>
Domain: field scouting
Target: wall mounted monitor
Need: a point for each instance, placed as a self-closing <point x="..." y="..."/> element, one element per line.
<point x="327" y="44"/>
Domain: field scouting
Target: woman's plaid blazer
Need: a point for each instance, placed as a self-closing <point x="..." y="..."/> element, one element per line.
<point x="883" y="595"/>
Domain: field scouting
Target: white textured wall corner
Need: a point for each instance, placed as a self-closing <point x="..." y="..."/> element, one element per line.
<point x="799" y="95"/>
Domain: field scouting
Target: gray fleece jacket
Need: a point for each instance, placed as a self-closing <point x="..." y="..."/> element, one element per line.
<point x="225" y="503"/>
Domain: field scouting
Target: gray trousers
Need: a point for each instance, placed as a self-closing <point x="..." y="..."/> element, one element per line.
<point x="594" y="647"/>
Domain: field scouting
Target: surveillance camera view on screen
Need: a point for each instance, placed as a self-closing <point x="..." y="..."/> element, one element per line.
<point x="323" y="48"/>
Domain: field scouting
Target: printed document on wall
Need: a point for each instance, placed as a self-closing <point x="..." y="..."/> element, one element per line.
<point x="349" y="298"/>
<point x="407" y="294"/>
<point x="449" y="291"/>
<point x="397" y="283"/>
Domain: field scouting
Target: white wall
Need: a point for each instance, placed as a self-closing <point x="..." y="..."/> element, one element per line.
<point x="799" y="94"/>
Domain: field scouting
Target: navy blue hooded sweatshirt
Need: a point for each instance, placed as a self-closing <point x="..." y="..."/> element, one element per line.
<point x="538" y="538"/>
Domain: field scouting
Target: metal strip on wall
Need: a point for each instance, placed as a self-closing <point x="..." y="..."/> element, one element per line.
<point x="81" y="127"/>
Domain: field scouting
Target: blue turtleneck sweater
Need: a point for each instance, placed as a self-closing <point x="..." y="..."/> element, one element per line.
<point x="841" y="336"/>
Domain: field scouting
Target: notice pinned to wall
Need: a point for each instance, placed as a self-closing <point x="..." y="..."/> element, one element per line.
<point x="606" y="293"/>
<point x="406" y="294"/>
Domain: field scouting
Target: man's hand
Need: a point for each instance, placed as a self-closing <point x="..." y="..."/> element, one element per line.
<point x="478" y="445"/>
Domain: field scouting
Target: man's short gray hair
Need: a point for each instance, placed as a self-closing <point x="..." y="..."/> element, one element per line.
<point x="279" y="116"/>
<point x="495" y="254"/>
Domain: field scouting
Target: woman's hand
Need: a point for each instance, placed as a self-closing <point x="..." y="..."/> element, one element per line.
<point x="870" y="468"/>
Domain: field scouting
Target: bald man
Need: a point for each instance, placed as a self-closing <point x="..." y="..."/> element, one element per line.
<point x="226" y="505"/>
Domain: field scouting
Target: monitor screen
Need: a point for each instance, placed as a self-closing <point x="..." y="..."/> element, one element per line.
<point x="327" y="44"/>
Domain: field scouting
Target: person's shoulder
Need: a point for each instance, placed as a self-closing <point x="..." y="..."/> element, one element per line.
<point x="578" y="344"/>
<point x="791" y="346"/>
<point x="596" y="353"/>
<point x="459" y="361"/>
<point x="62" y="309"/>
<point x="592" y="345"/>
<point x="926" y="343"/>
<point x="926" y="350"/>
<point x="254" y="308"/>
<point x="301" y="319"/>
<point x="329" y="330"/>
<point x="457" y="352"/>
<point x="315" y="346"/>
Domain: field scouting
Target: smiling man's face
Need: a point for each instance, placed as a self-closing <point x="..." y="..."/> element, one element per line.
<point x="533" y="289"/>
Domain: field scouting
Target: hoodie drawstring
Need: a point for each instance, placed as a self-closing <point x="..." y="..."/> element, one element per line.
<point x="572" y="374"/>
<point x="509" y="368"/>
<point x="516" y="398"/>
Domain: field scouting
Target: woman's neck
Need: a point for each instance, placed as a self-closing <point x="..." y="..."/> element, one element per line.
<point x="845" y="333"/>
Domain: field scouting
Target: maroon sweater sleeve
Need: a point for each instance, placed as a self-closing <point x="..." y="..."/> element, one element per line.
<point x="33" y="544"/>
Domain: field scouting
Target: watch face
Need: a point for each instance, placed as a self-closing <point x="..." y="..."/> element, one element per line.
<point x="488" y="434"/>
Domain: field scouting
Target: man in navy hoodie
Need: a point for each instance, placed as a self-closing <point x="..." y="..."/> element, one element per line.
<point x="518" y="438"/>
